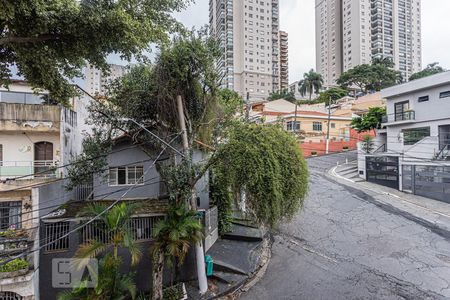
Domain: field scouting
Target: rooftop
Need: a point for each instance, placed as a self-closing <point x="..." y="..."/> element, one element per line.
<point x="417" y="85"/>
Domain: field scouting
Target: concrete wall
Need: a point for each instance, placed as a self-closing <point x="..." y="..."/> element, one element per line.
<point x="143" y="271"/>
<point x="29" y="117"/>
<point x="431" y="110"/>
<point x="124" y="155"/>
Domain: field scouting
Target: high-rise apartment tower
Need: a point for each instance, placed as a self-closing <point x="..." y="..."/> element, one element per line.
<point x="353" y="32"/>
<point x="284" y="60"/>
<point x="248" y="33"/>
<point x="97" y="81"/>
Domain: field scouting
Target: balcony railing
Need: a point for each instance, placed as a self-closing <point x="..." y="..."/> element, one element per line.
<point x="38" y="169"/>
<point x="398" y="117"/>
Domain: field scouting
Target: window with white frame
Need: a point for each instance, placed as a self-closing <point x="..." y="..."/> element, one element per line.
<point x="126" y="175"/>
<point x="10" y="214"/>
<point x="317" y="126"/>
<point x="293" y="125"/>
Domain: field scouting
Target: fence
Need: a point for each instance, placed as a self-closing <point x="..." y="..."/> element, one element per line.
<point x="211" y="227"/>
<point x="142" y="229"/>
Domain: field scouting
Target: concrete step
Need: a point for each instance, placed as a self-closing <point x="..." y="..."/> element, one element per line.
<point x="346" y="168"/>
<point x="348" y="171"/>
<point x="228" y="278"/>
<point x="244" y="233"/>
<point x="226" y="267"/>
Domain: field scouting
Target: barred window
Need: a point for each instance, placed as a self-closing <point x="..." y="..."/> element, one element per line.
<point x="126" y="175"/>
<point x="10" y="214"/>
<point x="55" y="236"/>
<point x="317" y="126"/>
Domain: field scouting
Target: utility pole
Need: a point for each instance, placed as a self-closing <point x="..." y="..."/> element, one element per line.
<point x="295" y="118"/>
<point x="328" y="130"/>
<point x="199" y="253"/>
<point x="247" y="107"/>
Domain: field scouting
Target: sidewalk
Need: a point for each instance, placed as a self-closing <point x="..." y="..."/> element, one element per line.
<point x="434" y="213"/>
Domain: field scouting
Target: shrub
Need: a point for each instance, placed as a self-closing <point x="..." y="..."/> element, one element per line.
<point x="14" y="265"/>
<point x="313" y="153"/>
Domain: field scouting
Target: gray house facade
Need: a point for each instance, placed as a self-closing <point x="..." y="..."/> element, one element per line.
<point x="413" y="149"/>
<point x="129" y="169"/>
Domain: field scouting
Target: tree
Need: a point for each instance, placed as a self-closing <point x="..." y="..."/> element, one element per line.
<point x="148" y="94"/>
<point x="173" y="237"/>
<point x="334" y="93"/>
<point x="111" y="283"/>
<point x="367" y="144"/>
<point x="431" y="69"/>
<point x="50" y="41"/>
<point x="311" y="83"/>
<point x="282" y="94"/>
<point x="380" y="74"/>
<point x="114" y="224"/>
<point x="266" y="163"/>
<point x="371" y="120"/>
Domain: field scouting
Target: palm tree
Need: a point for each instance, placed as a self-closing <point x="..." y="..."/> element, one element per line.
<point x="173" y="237"/>
<point x="111" y="283"/>
<point x="115" y="226"/>
<point x="311" y="83"/>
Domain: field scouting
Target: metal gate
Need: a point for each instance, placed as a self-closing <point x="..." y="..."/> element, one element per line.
<point x="383" y="170"/>
<point x="427" y="181"/>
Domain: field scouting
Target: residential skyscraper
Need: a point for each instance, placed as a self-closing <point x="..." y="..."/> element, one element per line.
<point x="96" y="80"/>
<point x="353" y="32"/>
<point x="248" y="34"/>
<point x="284" y="60"/>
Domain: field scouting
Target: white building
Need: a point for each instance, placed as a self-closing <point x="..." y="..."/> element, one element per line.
<point x="414" y="148"/>
<point x="248" y="33"/>
<point x="352" y="32"/>
<point x="96" y="81"/>
<point x="36" y="138"/>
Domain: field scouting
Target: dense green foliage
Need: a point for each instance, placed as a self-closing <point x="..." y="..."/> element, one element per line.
<point x="112" y="284"/>
<point x="14" y="265"/>
<point x="431" y="69"/>
<point x="311" y="83"/>
<point x="177" y="233"/>
<point x="374" y="77"/>
<point x="371" y="120"/>
<point x="266" y="163"/>
<point x="333" y="94"/>
<point x="283" y="94"/>
<point x="51" y="40"/>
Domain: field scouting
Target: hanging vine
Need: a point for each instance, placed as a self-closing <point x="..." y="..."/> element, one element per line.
<point x="265" y="162"/>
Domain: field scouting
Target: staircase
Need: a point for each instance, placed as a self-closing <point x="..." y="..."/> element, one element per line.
<point x="444" y="154"/>
<point x="349" y="171"/>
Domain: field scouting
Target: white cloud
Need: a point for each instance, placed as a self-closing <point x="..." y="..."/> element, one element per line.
<point x="297" y="18"/>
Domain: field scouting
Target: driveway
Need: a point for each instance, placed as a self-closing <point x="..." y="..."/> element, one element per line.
<point x="344" y="245"/>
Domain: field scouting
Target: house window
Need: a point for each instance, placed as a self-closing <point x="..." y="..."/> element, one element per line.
<point x="412" y="136"/>
<point x="56" y="238"/>
<point x="445" y="94"/>
<point x="317" y="126"/>
<point x="293" y="125"/>
<point x="333" y="125"/>
<point x="10" y="214"/>
<point x="423" y="99"/>
<point x="401" y="109"/>
<point x="126" y="175"/>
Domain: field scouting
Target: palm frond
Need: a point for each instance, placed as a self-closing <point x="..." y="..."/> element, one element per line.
<point x="91" y="249"/>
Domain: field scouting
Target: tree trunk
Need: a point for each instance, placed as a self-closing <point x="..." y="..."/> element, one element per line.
<point x="157" y="276"/>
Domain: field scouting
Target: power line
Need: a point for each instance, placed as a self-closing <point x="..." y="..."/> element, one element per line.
<point x="91" y="220"/>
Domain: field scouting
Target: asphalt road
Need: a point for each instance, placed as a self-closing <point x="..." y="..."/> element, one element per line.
<point x="343" y="246"/>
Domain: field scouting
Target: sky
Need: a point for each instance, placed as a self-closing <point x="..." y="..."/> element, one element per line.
<point x="297" y="18"/>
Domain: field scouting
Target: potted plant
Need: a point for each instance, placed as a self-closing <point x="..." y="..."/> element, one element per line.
<point x="14" y="268"/>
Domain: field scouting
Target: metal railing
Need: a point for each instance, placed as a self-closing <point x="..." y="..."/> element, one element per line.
<point x="409" y="115"/>
<point x="142" y="229"/>
<point x="36" y="169"/>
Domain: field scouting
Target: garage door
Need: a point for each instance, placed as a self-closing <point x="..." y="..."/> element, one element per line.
<point x="382" y="170"/>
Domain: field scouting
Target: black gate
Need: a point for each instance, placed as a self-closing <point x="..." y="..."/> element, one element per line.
<point x="382" y="170"/>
